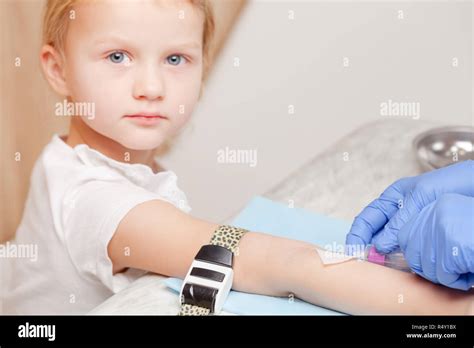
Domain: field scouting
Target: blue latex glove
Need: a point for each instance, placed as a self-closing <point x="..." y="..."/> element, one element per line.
<point x="438" y="243"/>
<point x="380" y="222"/>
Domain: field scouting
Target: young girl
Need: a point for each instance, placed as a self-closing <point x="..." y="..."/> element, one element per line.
<point x="103" y="212"/>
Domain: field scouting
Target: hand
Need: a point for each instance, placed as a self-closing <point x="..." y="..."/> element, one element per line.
<point x="403" y="200"/>
<point x="438" y="243"/>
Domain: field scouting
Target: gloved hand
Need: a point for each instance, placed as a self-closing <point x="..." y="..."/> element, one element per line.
<point x="438" y="243"/>
<point x="405" y="199"/>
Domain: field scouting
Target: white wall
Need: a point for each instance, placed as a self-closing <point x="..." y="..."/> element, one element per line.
<point x="300" y="62"/>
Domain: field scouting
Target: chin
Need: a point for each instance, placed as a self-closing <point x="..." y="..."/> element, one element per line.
<point x="142" y="143"/>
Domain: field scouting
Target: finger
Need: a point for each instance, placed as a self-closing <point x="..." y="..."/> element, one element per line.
<point x="354" y="245"/>
<point x="387" y="240"/>
<point x="369" y="221"/>
<point x="378" y="212"/>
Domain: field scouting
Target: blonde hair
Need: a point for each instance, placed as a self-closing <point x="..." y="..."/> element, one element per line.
<point x="57" y="12"/>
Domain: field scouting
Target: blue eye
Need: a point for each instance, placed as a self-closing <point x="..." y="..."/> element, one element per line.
<point x="175" y="59"/>
<point x="118" y="57"/>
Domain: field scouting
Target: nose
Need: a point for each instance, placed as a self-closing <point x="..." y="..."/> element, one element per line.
<point x="149" y="83"/>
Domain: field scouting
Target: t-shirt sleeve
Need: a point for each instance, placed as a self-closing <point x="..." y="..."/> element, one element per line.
<point x="90" y="217"/>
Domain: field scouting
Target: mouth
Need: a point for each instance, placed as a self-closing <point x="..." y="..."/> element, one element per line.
<point x="146" y="119"/>
<point x="146" y="116"/>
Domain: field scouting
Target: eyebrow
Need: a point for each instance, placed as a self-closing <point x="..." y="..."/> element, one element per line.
<point x="188" y="45"/>
<point x="104" y="40"/>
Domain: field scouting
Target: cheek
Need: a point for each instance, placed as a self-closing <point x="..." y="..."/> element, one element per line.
<point x="89" y="83"/>
<point x="185" y="96"/>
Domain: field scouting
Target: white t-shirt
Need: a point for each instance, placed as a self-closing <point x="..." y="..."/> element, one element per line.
<point x="77" y="198"/>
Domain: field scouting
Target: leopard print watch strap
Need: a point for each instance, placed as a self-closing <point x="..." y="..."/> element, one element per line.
<point x="188" y="310"/>
<point x="228" y="237"/>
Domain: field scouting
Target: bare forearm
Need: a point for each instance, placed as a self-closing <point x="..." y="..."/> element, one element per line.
<point x="357" y="287"/>
<point x="280" y="267"/>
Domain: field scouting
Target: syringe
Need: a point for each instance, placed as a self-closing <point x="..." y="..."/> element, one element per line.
<point x="395" y="259"/>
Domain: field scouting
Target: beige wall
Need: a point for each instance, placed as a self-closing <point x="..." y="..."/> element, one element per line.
<point x="26" y="104"/>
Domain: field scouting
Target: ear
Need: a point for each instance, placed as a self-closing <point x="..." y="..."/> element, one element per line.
<point x="53" y="68"/>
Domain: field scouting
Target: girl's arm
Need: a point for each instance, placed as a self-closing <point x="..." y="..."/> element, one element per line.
<point x="158" y="237"/>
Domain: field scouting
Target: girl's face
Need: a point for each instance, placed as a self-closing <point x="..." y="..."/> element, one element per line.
<point x="135" y="58"/>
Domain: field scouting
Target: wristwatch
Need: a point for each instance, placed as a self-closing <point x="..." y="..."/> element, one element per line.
<point x="209" y="279"/>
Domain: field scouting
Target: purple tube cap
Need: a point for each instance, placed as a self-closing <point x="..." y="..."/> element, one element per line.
<point x="375" y="257"/>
